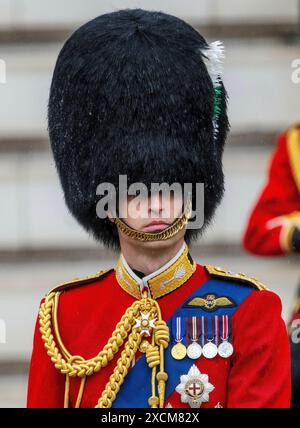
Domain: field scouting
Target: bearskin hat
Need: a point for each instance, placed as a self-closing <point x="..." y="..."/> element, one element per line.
<point x="134" y="92"/>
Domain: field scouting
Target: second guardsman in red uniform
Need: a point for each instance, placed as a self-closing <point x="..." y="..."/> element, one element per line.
<point x="274" y="226"/>
<point x="140" y="94"/>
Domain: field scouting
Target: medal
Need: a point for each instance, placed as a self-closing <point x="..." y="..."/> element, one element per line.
<point x="209" y="350"/>
<point x="225" y="349"/>
<point x="178" y="351"/>
<point x="194" y="387"/>
<point x="194" y="350"/>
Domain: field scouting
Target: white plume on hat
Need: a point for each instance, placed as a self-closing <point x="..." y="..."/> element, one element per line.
<point x="213" y="58"/>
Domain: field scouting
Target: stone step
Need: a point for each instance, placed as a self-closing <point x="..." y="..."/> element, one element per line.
<point x="284" y="31"/>
<point x="258" y="77"/>
<point x="36" y="217"/>
<point x="30" y="14"/>
<point x="247" y="140"/>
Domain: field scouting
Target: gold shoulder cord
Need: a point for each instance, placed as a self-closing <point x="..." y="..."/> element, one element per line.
<point x="142" y="317"/>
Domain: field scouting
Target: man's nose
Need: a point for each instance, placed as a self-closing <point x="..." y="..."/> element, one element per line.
<point x="155" y="204"/>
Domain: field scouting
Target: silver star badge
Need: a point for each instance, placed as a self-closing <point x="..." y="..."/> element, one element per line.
<point x="144" y="323"/>
<point x="194" y="387"/>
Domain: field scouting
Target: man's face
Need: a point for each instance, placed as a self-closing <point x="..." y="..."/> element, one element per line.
<point x="152" y="213"/>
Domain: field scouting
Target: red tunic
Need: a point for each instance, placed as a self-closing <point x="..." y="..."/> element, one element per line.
<point x="278" y="206"/>
<point x="257" y="375"/>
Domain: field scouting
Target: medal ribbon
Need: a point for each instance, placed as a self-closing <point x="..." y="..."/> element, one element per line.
<point x="188" y="329"/>
<point x="209" y="329"/>
<point x="225" y="325"/>
<point x="178" y="328"/>
<point x="216" y="329"/>
<point x="203" y="330"/>
<point x="192" y="328"/>
<point x="195" y="329"/>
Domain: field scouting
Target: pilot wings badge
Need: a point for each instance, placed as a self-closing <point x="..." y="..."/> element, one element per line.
<point x="210" y="302"/>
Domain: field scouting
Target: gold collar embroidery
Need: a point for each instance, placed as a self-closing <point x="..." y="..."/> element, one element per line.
<point x="166" y="279"/>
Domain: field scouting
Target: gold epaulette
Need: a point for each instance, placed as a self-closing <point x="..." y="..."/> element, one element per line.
<point x="237" y="277"/>
<point x="293" y="150"/>
<point x="80" y="281"/>
<point x="295" y="125"/>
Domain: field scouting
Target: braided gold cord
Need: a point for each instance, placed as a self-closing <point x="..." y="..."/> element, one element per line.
<point x="75" y="365"/>
<point x="154" y="357"/>
<point x="120" y="371"/>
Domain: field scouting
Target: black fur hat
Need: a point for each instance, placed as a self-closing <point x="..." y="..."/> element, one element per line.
<point x="132" y="94"/>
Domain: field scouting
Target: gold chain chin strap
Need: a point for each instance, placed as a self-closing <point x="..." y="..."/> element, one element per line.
<point x="167" y="233"/>
<point x="76" y="365"/>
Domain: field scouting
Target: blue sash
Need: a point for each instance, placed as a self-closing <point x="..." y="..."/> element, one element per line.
<point x="136" y="389"/>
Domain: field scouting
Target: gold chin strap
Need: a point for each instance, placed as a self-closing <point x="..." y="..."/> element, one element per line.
<point x="167" y="233"/>
<point x="142" y="318"/>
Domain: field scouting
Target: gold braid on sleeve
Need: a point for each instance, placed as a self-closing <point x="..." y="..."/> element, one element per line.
<point x="143" y="317"/>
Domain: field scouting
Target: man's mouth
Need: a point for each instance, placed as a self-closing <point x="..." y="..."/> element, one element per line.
<point x="155" y="226"/>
